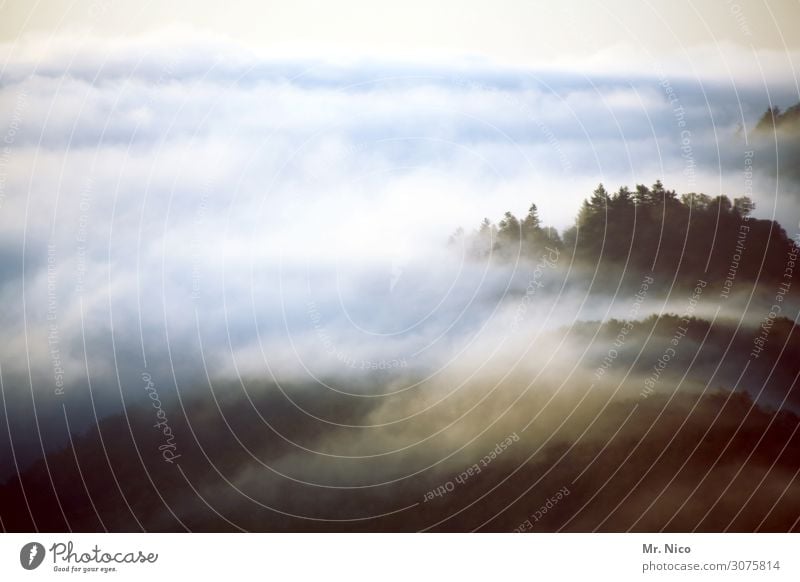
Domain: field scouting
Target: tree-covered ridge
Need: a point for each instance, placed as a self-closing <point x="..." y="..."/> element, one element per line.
<point x="647" y="229"/>
<point x="775" y="118"/>
<point x="509" y="237"/>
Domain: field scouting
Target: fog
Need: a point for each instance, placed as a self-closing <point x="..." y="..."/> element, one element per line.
<point x="270" y="237"/>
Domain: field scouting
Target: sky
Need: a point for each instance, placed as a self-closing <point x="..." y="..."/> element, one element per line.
<point x="509" y="31"/>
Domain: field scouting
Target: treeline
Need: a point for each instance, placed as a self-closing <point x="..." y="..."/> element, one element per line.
<point x="647" y="229"/>
<point x="773" y="117"/>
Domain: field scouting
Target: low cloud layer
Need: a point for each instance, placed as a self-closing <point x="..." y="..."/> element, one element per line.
<point x="212" y="218"/>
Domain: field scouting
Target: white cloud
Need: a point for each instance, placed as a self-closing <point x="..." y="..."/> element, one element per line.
<point x="188" y="164"/>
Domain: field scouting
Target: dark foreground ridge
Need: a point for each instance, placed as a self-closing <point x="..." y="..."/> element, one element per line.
<point x="708" y="448"/>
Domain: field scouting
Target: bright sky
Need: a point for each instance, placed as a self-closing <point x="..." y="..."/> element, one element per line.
<point x="514" y="31"/>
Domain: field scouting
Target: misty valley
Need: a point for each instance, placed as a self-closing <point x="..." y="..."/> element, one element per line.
<point x="636" y="371"/>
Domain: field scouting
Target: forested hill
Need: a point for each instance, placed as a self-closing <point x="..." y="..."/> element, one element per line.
<point x="775" y="118"/>
<point x="648" y="229"/>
